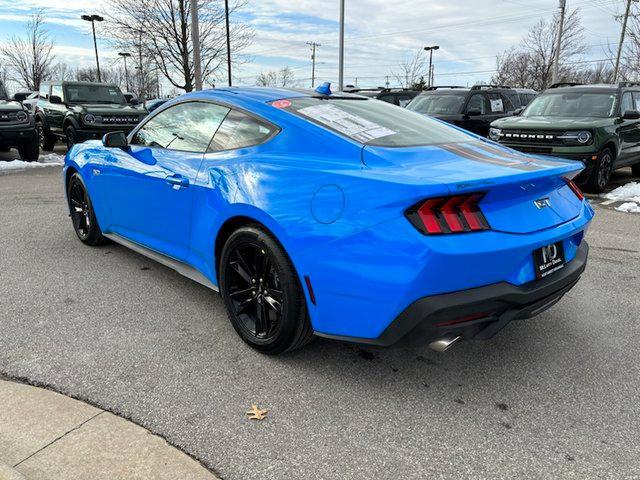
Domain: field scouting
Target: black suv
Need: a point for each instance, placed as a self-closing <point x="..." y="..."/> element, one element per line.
<point x="17" y="128"/>
<point x="398" y="96"/>
<point x="79" y="111"/>
<point x="470" y="108"/>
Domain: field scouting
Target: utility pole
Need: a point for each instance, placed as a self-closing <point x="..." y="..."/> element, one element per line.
<point x="620" y="45"/>
<point x="195" y="36"/>
<point x="313" y="46"/>
<point x="386" y="84"/>
<point x="556" y="61"/>
<point x="93" y="19"/>
<point x="226" y="19"/>
<point x="341" y="49"/>
<point x="124" y="56"/>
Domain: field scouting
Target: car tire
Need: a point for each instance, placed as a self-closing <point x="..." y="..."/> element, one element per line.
<point x="82" y="214"/>
<point x="601" y="172"/>
<point x="47" y="140"/>
<point x="262" y="292"/>
<point x="635" y="170"/>
<point x="30" y="151"/>
<point x="70" y="134"/>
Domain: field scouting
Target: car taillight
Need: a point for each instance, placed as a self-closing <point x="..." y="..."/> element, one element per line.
<point x="575" y="188"/>
<point x="455" y="214"/>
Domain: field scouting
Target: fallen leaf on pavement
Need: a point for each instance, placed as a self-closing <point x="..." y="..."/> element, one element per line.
<point x="257" y="413"/>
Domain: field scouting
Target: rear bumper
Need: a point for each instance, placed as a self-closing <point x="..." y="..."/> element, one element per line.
<point x="488" y="308"/>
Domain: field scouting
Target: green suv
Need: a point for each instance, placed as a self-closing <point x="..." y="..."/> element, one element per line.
<point x="597" y="124"/>
<point x="77" y="111"/>
<point x="17" y="128"/>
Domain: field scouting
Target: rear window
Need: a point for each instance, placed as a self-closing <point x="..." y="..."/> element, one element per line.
<point x="375" y="123"/>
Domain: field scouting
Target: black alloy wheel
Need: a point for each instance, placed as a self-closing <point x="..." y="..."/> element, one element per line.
<point x="82" y="214"/>
<point x="46" y="140"/>
<point x="262" y="293"/>
<point x="71" y="137"/>
<point x="601" y="173"/>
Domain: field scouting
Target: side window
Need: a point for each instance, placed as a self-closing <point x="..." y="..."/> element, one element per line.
<point x="185" y="127"/>
<point x="240" y="130"/>
<point x="388" y="99"/>
<point x="627" y="102"/>
<point x="404" y="100"/>
<point x="636" y="101"/>
<point x="44" y="91"/>
<point x="56" y="90"/>
<point x="477" y="104"/>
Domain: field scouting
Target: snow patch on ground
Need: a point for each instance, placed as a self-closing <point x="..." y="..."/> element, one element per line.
<point x="47" y="160"/>
<point x="630" y="194"/>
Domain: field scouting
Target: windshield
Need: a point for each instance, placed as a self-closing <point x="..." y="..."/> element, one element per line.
<point x="3" y="92"/>
<point x="375" y="123"/>
<point x="578" y="104"/>
<point x="94" y="94"/>
<point x="438" y="104"/>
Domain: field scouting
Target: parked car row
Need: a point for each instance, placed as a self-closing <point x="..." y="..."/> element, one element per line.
<point x="70" y="112"/>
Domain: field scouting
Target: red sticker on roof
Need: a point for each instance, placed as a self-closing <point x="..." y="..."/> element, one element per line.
<point x="281" y="104"/>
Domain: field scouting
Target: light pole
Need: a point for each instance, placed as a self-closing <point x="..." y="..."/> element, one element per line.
<point x="341" y="49"/>
<point x="226" y="19"/>
<point x="556" y="61"/>
<point x="124" y="56"/>
<point x="93" y="19"/>
<point x="195" y="38"/>
<point x="430" y="50"/>
<point x="616" y="69"/>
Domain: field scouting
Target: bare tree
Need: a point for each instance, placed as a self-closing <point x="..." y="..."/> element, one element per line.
<point x="62" y="71"/>
<point x="30" y="59"/>
<point x="159" y="33"/>
<point x="107" y="75"/>
<point x="530" y="65"/>
<point x="412" y="70"/>
<point x="281" y="78"/>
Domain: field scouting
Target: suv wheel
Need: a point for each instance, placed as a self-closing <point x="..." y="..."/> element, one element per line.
<point x="601" y="173"/>
<point x="47" y="141"/>
<point x="71" y="136"/>
<point x="30" y="151"/>
<point x="262" y="293"/>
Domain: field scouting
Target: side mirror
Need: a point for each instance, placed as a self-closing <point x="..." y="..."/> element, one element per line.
<point x="115" y="140"/>
<point x="133" y="102"/>
<point x="20" y="97"/>
<point x="518" y="111"/>
<point x="474" y="113"/>
<point x="631" y="115"/>
<point x="55" y="99"/>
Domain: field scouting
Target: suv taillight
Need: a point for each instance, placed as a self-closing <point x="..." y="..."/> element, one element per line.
<point x="575" y="188"/>
<point x="455" y="214"/>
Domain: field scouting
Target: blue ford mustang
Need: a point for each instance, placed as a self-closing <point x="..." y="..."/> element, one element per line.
<point x="335" y="215"/>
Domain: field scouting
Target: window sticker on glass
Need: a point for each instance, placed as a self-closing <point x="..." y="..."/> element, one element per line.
<point x="496" y="105"/>
<point x="347" y="123"/>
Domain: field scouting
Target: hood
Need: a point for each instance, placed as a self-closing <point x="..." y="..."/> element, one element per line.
<point x="10" y="106"/>
<point x="106" y="109"/>
<point x="552" y="123"/>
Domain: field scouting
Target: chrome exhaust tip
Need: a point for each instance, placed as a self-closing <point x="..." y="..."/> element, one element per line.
<point x="444" y="343"/>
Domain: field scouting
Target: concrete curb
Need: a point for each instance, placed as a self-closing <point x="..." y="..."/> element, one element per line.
<point x="49" y="436"/>
<point x="9" y="473"/>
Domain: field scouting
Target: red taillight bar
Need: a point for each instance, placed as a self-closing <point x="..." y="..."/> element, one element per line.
<point x="575" y="188"/>
<point x="455" y="214"/>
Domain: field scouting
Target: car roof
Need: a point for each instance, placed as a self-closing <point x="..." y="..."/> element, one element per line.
<point x="599" y="87"/>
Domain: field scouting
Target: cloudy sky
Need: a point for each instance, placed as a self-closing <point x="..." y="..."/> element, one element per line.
<point x="380" y="34"/>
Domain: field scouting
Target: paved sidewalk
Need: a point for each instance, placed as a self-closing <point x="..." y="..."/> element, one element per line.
<point x="45" y="435"/>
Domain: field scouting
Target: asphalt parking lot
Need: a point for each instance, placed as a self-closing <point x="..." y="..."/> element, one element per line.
<point x="552" y="397"/>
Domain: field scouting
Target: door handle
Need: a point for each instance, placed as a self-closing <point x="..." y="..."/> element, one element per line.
<point x="177" y="181"/>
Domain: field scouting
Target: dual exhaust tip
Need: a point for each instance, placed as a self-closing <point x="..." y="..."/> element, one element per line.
<point x="444" y="343"/>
